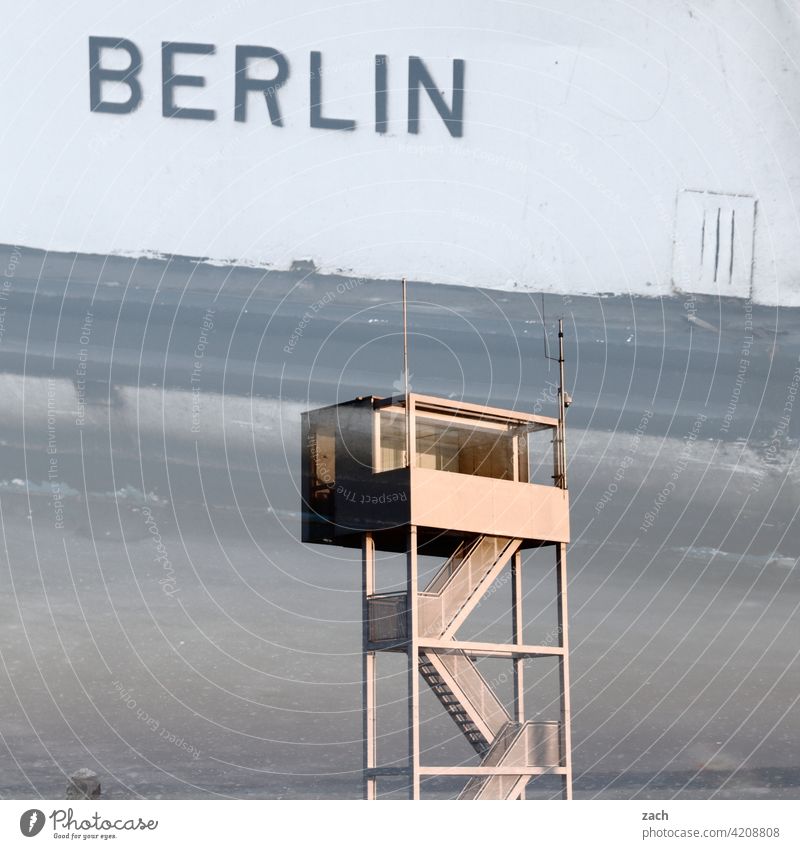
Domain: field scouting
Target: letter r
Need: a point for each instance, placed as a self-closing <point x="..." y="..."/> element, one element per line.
<point x="269" y="88"/>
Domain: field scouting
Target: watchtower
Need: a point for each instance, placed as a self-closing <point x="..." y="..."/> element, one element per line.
<point x="427" y="475"/>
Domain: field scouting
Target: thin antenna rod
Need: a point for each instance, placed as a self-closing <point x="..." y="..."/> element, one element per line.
<point x="560" y="475"/>
<point x="544" y="332"/>
<point x="405" y="341"/>
<point x="544" y="337"/>
<point x="405" y="374"/>
<point x="562" y="406"/>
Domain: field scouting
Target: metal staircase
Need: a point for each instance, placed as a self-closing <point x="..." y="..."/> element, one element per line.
<point x="525" y="748"/>
<point x="459" y="686"/>
<point x="510" y="748"/>
<point x="452" y="704"/>
<point x="465" y="695"/>
<point x="461" y="582"/>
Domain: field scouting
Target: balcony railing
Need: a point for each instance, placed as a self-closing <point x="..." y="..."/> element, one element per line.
<point x="388" y="617"/>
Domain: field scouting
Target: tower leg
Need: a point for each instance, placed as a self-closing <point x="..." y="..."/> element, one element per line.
<point x="412" y="582"/>
<point x="369" y="669"/>
<point x="370" y="707"/>
<point x="517" y="637"/>
<point x="563" y="668"/>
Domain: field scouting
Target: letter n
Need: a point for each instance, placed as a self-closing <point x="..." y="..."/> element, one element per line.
<point x="419" y="76"/>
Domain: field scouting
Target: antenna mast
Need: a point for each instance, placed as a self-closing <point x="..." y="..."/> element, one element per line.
<point x="564" y="401"/>
<point x="405" y="375"/>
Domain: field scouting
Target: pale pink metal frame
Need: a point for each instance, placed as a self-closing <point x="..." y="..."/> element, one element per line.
<point x="550" y="527"/>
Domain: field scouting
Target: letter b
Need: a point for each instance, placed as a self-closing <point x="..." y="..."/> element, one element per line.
<point x="129" y="76"/>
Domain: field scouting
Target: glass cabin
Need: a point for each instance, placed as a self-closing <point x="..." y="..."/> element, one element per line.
<point x="473" y="469"/>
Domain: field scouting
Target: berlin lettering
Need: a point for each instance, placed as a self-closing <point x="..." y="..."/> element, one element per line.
<point x="250" y="89"/>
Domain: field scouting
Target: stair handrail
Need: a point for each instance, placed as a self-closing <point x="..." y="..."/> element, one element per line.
<point x="472" y="586"/>
<point x="466" y="551"/>
<point x="521" y="730"/>
<point x="451" y="577"/>
<point x="480" y="675"/>
<point x="478" y="784"/>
